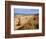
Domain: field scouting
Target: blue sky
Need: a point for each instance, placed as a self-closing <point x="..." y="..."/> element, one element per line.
<point x="26" y="11"/>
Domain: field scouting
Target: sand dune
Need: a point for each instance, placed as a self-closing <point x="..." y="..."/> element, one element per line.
<point x="22" y="22"/>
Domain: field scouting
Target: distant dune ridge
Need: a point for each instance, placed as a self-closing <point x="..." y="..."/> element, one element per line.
<point x="24" y="22"/>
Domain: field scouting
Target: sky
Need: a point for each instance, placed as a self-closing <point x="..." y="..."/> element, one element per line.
<point x="26" y="11"/>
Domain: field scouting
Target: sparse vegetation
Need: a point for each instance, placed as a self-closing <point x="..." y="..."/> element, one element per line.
<point x="24" y="22"/>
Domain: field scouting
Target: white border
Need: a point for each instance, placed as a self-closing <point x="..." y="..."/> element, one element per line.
<point x="26" y="31"/>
